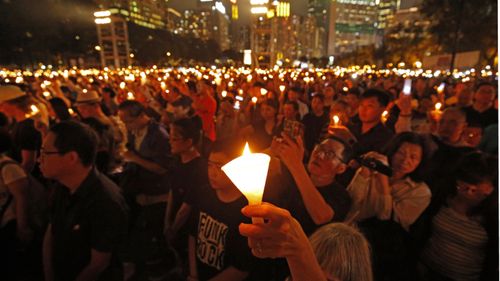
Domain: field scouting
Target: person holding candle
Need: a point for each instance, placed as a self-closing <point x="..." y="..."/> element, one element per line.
<point x="294" y="95"/>
<point x="334" y="252"/>
<point x="371" y="133"/>
<point x="27" y="140"/>
<point x="316" y="198"/>
<point x="216" y="250"/>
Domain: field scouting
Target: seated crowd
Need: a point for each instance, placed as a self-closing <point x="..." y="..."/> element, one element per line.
<point x="114" y="180"/>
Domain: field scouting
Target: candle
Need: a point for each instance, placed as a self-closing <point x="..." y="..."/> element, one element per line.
<point x="249" y="173"/>
<point x="223" y="94"/>
<point x="122" y="85"/>
<point x="385" y="115"/>
<point x="263" y="91"/>
<point x="254" y="100"/>
<point x="130" y="96"/>
<point x="282" y="88"/>
<point x="34" y="111"/>
<point x="436" y="113"/>
<point x="336" y="121"/>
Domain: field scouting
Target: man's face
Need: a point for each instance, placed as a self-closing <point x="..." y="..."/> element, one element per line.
<point x="86" y="110"/>
<point x="52" y="163"/>
<point x="485" y="94"/>
<point x="370" y="110"/>
<point x="328" y="92"/>
<point x="217" y="178"/>
<point x="451" y="126"/>
<point x="289" y="112"/>
<point x="317" y="105"/>
<point x="326" y="159"/>
<point x="132" y="123"/>
<point x="474" y="193"/>
<point x="293" y="96"/>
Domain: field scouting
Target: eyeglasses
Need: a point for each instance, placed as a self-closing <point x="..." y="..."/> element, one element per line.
<point x="326" y="154"/>
<point x="44" y="152"/>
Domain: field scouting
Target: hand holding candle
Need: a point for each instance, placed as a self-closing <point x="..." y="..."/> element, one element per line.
<point x="249" y="173"/>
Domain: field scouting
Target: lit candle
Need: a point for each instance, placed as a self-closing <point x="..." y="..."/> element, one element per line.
<point x="436" y="113"/>
<point x="34" y="111"/>
<point x="249" y="173"/>
<point x="223" y="94"/>
<point x="254" y="100"/>
<point x="122" y="85"/>
<point x="336" y="121"/>
<point x="385" y="115"/>
<point x="282" y="88"/>
<point x="263" y="91"/>
<point x="130" y="96"/>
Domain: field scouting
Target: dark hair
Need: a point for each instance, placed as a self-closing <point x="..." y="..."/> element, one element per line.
<point x="23" y="102"/>
<point x="348" y="152"/>
<point x="60" y="108"/>
<point x="484" y="83"/>
<point x="382" y="96"/>
<point x="134" y="108"/>
<point x="231" y="147"/>
<point x="189" y="128"/>
<point x="294" y="104"/>
<point x="477" y="167"/>
<point x="109" y="90"/>
<point x="4" y="120"/>
<point x="78" y="137"/>
<point x="272" y="103"/>
<point x="355" y="91"/>
<point x="409" y="137"/>
<point x="319" y="96"/>
<point x="191" y="86"/>
<point x="259" y="84"/>
<point x="296" y="89"/>
<point x="5" y="141"/>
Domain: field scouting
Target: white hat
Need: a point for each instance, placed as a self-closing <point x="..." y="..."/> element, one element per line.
<point x="10" y="92"/>
<point x="88" y="97"/>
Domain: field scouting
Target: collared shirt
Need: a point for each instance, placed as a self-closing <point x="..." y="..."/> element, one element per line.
<point x="405" y="203"/>
<point x="93" y="217"/>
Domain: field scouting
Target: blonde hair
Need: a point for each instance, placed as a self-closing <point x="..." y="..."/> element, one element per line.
<point x="342" y="252"/>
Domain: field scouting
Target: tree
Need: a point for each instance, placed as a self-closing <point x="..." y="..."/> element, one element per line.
<point x="463" y="25"/>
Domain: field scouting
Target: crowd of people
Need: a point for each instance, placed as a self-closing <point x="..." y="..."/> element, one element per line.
<point x="116" y="175"/>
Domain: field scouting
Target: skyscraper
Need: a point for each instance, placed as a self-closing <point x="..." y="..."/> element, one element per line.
<point x="147" y="13"/>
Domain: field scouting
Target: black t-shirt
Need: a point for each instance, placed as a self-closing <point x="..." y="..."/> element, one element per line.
<point x="185" y="177"/>
<point x="484" y="119"/>
<point x="312" y="128"/>
<point x="260" y="139"/>
<point x="374" y="140"/>
<point x="334" y="194"/>
<point x="214" y="224"/>
<point x="94" y="217"/>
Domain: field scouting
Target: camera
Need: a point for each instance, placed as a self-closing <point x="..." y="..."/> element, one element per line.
<point x="375" y="165"/>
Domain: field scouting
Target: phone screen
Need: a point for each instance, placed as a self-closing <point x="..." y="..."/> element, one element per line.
<point x="407" y="87"/>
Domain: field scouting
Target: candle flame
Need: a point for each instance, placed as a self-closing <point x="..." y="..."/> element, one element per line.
<point x="438" y="106"/>
<point x="336" y="120"/>
<point x="254" y="99"/>
<point x="34" y="109"/>
<point x="246" y="150"/>
<point x="385" y="113"/>
<point x="263" y="91"/>
<point x="130" y="96"/>
<point x="282" y="88"/>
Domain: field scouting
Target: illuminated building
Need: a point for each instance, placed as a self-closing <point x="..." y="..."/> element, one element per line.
<point x="352" y="24"/>
<point x="147" y="13"/>
<point x="113" y="45"/>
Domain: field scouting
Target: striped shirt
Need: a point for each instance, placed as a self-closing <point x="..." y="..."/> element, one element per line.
<point x="457" y="246"/>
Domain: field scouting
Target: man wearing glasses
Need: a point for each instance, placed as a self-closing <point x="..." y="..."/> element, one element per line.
<point x="317" y="199"/>
<point x="88" y="217"/>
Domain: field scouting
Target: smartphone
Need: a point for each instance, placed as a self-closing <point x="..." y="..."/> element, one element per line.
<point x="407" y="87"/>
<point x="293" y="128"/>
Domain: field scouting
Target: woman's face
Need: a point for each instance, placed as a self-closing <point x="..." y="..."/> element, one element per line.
<point x="407" y="158"/>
